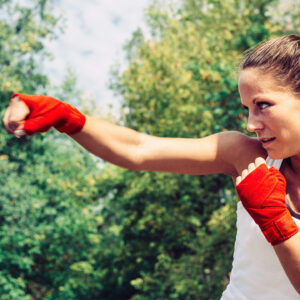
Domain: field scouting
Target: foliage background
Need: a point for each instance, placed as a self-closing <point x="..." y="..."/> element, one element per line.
<point x="70" y="229"/>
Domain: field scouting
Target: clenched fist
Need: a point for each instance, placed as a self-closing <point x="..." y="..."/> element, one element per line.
<point x="29" y="114"/>
<point x="262" y="192"/>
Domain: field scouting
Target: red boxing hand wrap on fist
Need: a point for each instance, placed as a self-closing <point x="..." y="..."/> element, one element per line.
<point x="46" y="112"/>
<point x="262" y="193"/>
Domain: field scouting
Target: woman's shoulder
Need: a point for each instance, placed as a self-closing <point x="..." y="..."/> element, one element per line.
<point x="242" y="149"/>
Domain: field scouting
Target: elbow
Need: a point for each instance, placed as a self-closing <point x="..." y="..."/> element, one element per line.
<point x="134" y="167"/>
<point x="130" y="164"/>
<point x="136" y="164"/>
<point x="133" y="162"/>
<point x="127" y="163"/>
<point x="131" y="157"/>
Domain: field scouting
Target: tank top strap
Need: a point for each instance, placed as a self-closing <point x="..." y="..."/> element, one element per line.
<point x="276" y="163"/>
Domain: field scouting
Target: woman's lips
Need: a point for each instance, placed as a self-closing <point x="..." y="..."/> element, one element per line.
<point x="266" y="141"/>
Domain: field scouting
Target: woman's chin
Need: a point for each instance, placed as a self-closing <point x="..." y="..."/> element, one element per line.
<point x="276" y="155"/>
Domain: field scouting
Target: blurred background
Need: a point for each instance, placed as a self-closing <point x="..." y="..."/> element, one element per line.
<point x="74" y="227"/>
<point x="94" y="33"/>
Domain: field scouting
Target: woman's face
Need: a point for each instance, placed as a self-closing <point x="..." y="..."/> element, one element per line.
<point x="274" y="113"/>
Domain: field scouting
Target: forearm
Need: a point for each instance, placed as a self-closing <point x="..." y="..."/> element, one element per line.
<point x="116" y="144"/>
<point x="289" y="256"/>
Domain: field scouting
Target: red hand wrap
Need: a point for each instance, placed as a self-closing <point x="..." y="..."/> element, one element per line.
<point x="46" y="112"/>
<point x="262" y="193"/>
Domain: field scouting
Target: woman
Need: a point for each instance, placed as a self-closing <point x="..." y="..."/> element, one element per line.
<point x="267" y="250"/>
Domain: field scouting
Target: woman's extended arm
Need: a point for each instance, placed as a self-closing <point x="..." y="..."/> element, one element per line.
<point x="219" y="153"/>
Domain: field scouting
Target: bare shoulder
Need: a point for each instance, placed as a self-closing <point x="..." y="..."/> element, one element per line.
<point x="239" y="150"/>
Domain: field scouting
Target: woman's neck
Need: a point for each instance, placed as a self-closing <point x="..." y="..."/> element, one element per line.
<point x="291" y="171"/>
<point x="294" y="165"/>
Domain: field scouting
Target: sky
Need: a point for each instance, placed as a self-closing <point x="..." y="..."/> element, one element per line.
<point x="94" y="34"/>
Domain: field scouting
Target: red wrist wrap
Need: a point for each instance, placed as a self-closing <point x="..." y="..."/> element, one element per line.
<point x="262" y="193"/>
<point x="46" y="112"/>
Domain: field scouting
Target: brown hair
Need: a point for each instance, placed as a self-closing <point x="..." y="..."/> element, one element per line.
<point x="281" y="56"/>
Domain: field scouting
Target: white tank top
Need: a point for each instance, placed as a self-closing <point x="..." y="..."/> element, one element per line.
<point x="256" y="271"/>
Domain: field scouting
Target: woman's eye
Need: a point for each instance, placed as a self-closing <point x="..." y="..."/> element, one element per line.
<point x="262" y="105"/>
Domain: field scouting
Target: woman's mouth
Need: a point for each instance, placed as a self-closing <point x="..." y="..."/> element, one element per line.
<point x="266" y="141"/>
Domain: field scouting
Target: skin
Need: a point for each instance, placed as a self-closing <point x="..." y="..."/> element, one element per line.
<point x="273" y="113"/>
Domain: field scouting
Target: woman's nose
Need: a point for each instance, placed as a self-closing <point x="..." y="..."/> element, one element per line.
<point x="254" y="123"/>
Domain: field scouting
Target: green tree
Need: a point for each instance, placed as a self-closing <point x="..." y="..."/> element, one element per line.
<point x="47" y="230"/>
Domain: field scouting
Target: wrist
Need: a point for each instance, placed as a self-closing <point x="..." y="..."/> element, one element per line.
<point x="280" y="229"/>
<point x="72" y="120"/>
<point x="47" y="112"/>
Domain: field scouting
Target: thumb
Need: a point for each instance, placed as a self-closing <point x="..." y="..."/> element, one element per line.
<point x="38" y="124"/>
